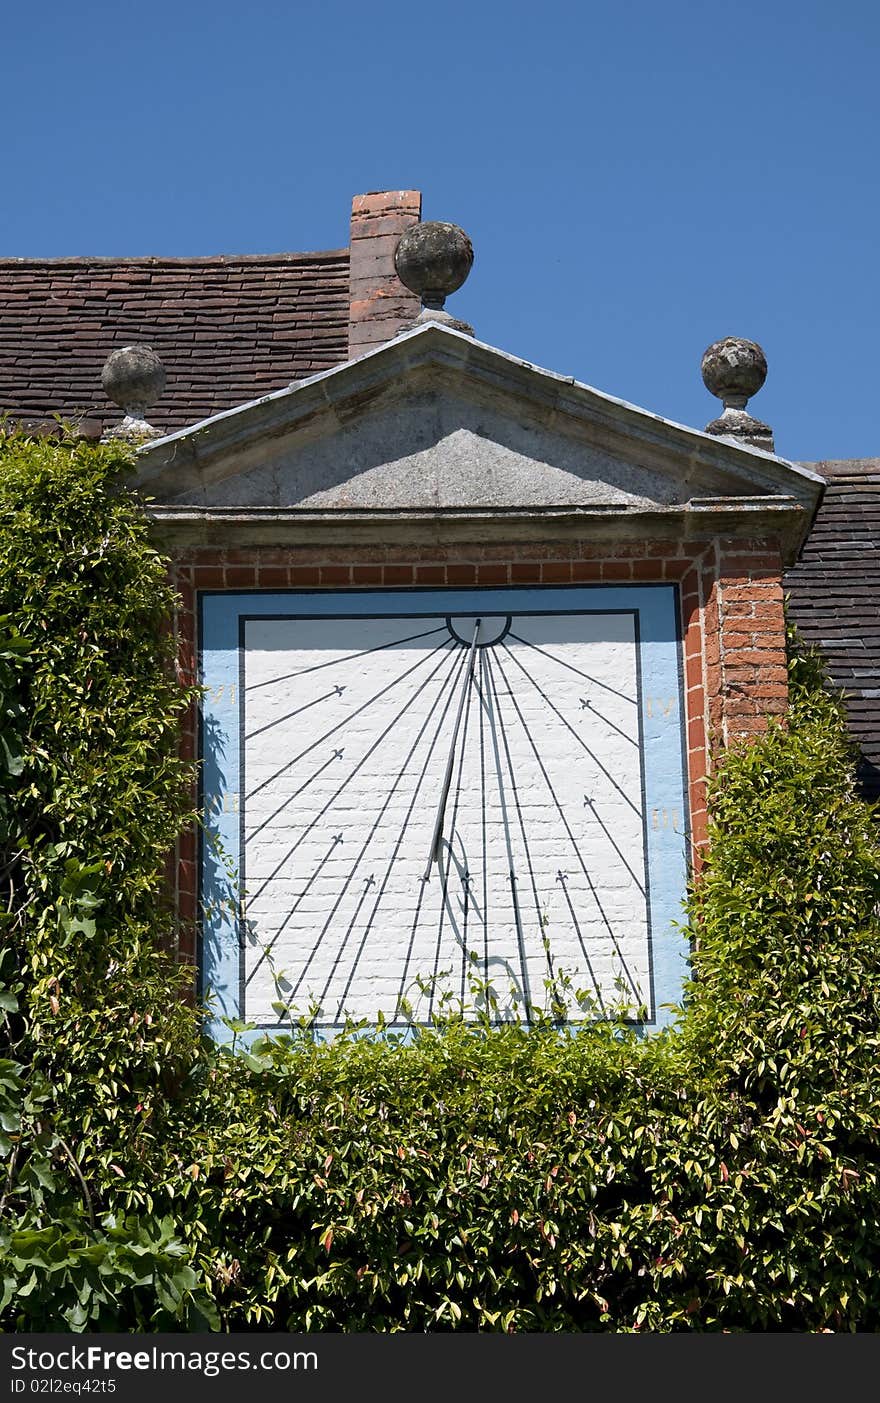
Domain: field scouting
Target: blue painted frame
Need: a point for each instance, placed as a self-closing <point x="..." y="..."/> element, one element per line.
<point x="221" y="663"/>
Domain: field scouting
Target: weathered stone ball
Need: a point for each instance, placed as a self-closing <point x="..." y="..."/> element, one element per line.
<point x="734" y="368"/>
<point x="133" y="376"/>
<point x="433" y="259"/>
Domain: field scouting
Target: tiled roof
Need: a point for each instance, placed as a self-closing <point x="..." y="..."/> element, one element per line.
<point x="835" y="588"/>
<point x="232" y="328"/>
<point x="228" y="329"/>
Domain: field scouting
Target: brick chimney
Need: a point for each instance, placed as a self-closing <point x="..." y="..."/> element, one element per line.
<point x="380" y="306"/>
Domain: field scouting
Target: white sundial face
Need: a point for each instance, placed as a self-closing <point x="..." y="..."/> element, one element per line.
<point x="433" y="808"/>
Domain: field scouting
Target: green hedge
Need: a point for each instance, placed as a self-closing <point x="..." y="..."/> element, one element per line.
<point x="722" y="1175"/>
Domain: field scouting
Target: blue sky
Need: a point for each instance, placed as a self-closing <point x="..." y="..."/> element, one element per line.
<point x="638" y="178"/>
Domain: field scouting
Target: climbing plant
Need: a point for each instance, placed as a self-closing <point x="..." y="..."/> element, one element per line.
<point x="720" y="1175"/>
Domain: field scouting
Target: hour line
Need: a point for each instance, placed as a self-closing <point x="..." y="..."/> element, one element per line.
<point x="469" y="677"/>
<point x="581" y="742"/>
<point x="519" y="814"/>
<point x="388" y="797"/>
<point x="398" y="844"/>
<point x="437" y="836"/>
<point x="368" y="882"/>
<point x="590" y="804"/>
<point x="412" y="934"/>
<point x="571" y="837"/>
<point x="563" y="882"/>
<point x="586" y="676"/>
<point x="325" y="696"/>
<point x="267" y="949"/>
<point x="493" y="731"/>
<point x="483" y="826"/>
<point x="347" y="657"/>
<point x="587" y="705"/>
<point x="363" y="760"/>
<point x="351" y="715"/>
<point x="337" y="755"/>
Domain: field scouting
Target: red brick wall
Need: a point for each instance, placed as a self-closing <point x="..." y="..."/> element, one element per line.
<point x="380" y="306"/>
<point x="731" y="621"/>
<point x="754" y="674"/>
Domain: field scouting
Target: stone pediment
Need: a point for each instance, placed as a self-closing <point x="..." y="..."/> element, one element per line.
<point x="437" y="428"/>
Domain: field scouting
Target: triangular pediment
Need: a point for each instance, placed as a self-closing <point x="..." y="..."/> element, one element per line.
<point x="435" y="422"/>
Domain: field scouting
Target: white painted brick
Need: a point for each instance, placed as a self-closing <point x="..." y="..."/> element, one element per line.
<point x="358" y="944"/>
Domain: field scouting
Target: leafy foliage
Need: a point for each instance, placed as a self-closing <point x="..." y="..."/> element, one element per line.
<point x="95" y="1037"/>
<point x="721" y="1175"/>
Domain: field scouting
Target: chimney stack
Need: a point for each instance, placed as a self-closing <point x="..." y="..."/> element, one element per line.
<point x="380" y="305"/>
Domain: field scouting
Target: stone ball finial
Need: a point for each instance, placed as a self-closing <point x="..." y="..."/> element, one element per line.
<point x="134" y="378"/>
<point x="432" y="260"/>
<point x="733" y="370"/>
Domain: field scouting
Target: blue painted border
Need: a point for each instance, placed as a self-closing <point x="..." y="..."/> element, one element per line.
<point x="658" y="642"/>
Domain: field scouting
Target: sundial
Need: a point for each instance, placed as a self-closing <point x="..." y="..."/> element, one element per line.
<point x="421" y="797"/>
<point x="433" y="798"/>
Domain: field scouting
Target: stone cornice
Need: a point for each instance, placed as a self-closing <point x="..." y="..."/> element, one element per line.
<point x="699" y="520"/>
